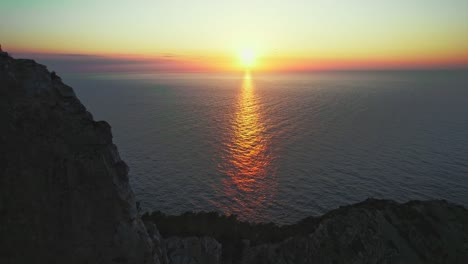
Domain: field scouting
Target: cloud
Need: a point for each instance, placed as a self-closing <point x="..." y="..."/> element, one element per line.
<point x="82" y="63"/>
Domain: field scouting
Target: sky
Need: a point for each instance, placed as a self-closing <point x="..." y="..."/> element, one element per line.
<point x="291" y="35"/>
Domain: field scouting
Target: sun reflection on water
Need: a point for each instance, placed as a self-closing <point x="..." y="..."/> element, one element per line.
<point x="247" y="160"/>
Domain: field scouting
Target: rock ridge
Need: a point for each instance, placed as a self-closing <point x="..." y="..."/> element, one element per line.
<point x="372" y="231"/>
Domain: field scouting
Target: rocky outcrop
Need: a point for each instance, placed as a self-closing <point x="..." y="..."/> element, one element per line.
<point x="193" y="250"/>
<point x="64" y="191"/>
<point x="184" y="250"/>
<point x="374" y="231"/>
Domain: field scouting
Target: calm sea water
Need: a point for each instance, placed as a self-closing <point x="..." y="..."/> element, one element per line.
<point x="283" y="147"/>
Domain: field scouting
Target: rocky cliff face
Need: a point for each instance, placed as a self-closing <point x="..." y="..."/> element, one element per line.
<point x="65" y="198"/>
<point x="64" y="191"/>
<point x="376" y="231"/>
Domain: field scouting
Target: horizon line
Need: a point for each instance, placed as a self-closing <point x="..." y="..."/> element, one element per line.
<point x="181" y="63"/>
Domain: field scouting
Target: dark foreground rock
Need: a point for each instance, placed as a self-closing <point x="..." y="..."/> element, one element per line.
<point x="64" y="191"/>
<point x="374" y="231"/>
<point x="377" y="232"/>
<point x="65" y="198"/>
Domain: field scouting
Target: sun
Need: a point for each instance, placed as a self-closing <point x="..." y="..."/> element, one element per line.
<point x="247" y="59"/>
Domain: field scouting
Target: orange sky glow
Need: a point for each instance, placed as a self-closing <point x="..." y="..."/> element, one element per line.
<point x="208" y="35"/>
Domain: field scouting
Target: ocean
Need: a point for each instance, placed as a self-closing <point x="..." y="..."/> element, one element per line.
<point x="281" y="147"/>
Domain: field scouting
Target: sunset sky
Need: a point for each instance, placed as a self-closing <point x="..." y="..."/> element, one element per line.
<point x="205" y="34"/>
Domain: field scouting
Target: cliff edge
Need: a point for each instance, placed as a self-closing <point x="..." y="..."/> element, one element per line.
<point x="64" y="191"/>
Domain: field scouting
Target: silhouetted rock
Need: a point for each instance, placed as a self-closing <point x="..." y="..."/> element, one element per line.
<point x="64" y="191"/>
<point x="374" y="231"/>
<point x="193" y="250"/>
<point x="377" y="231"/>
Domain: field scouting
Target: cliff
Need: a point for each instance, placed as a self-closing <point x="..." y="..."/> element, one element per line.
<point x="373" y="231"/>
<point x="64" y="191"/>
<point x="65" y="198"/>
